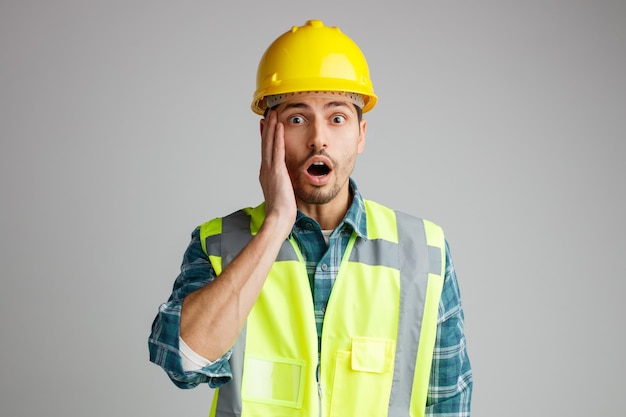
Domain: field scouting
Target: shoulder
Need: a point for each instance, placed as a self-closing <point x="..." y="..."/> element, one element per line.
<point x="242" y="218"/>
<point x="376" y="208"/>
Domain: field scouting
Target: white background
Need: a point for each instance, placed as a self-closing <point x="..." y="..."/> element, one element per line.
<point x="124" y="124"/>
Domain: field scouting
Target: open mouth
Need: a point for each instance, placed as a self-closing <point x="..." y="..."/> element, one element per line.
<point x="318" y="169"/>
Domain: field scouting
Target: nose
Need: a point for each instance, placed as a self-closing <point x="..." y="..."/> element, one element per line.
<point x="318" y="138"/>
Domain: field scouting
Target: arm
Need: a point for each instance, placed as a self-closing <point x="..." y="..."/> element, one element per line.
<point x="450" y="389"/>
<point x="208" y="312"/>
<point x="212" y="317"/>
<point x="163" y="344"/>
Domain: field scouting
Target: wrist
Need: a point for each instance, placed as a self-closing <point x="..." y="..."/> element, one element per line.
<point x="276" y="224"/>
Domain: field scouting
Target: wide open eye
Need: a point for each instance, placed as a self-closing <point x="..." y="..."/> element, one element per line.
<point x="296" y="119"/>
<point x="338" y="119"/>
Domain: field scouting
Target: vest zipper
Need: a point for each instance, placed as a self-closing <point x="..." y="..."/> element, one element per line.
<point x="319" y="388"/>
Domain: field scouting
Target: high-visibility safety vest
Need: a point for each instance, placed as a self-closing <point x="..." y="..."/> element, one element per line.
<point x="379" y="326"/>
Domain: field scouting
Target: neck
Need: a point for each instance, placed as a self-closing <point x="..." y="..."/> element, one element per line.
<point x="329" y="215"/>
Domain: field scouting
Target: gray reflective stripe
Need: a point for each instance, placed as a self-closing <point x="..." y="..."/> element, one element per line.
<point x="376" y="252"/>
<point x="229" y="395"/>
<point x="287" y="253"/>
<point x="235" y="236"/>
<point x="233" y="240"/>
<point x="213" y="245"/>
<point x="434" y="257"/>
<point x="414" y="268"/>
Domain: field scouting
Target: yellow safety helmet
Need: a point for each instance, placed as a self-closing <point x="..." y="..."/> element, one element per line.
<point x="313" y="57"/>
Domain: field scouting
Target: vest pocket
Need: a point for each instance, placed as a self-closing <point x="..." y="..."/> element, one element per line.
<point x="276" y="381"/>
<point x="363" y="378"/>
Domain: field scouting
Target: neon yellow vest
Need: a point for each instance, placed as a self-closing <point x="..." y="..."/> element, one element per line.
<point x="379" y="326"/>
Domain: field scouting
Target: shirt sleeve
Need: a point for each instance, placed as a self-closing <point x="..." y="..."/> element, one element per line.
<point x="191" y="360"/>
<point x="163" y="343"/>
<point x="450" y="388"/>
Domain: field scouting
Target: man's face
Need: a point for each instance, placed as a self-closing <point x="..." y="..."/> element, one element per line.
<point x="323" y="137"/>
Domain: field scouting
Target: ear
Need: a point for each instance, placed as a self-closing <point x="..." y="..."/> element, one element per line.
<point x="361" y="140"/>
<point x="261" y="126"/>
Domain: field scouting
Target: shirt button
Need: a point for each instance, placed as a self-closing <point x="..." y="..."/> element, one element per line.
<point x="309" y="225"/>
<point x="324" y="267"/>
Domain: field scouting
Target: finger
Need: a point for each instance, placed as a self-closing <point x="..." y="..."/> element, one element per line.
<point x="267" y="138"/>
<point x="279" y="144"/>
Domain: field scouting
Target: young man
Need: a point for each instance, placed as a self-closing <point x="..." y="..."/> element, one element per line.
<point x="252" y="311"/>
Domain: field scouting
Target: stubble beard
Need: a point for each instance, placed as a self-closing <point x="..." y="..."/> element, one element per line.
<point x="317" y="195"/>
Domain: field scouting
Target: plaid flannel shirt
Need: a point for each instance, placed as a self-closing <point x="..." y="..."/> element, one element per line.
<point x="450" y="386"/>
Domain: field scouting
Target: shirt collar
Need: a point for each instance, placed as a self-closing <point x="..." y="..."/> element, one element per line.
<point x="355" y="217"/>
